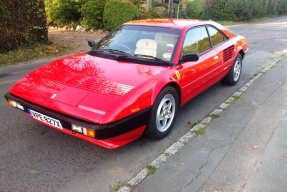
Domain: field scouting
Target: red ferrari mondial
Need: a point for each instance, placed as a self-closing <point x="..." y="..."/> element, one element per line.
<point x="131" y="82"/>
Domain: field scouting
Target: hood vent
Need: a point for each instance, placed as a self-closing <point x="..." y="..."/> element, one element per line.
<point x="227" y="53"/>
<point x="90" y="83"/>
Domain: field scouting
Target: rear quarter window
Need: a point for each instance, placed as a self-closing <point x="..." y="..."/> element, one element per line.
<point x="216" y="36"/>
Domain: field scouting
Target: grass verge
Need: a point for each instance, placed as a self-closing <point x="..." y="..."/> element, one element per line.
<point x="34" y="52"/>
<point x="229" y="23"/>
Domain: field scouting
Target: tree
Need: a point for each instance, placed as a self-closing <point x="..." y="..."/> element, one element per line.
<point x="22" y="23"/>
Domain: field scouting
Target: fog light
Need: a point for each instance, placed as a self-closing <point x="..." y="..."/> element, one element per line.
<point x="83" y="130"/>
<point x="15" y="104"/>
<point x="77" y="128"/>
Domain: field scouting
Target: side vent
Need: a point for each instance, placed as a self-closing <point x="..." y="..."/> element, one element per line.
<point x="227" y="53"/>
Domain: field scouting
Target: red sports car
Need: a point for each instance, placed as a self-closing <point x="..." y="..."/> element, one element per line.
<point x="131" y="82"/>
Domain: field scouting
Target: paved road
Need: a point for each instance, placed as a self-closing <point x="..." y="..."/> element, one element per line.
<point x="36" y="158"/>
<point x="244" y="150"/>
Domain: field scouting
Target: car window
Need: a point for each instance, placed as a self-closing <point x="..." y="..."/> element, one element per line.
<point x="158" y="42"/>
<point x="196" y="40"/>
<point x="215" y="36"/>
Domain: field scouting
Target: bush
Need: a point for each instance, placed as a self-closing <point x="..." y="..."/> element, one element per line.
<point x="22" y="23"/>
<point x="195" y="9"/>
<point x="117" y="12"/>
<point x="92" y="14"/>
<point x="63" y="12"/>
<point x="159" y="10"/>
<point x="223" y="10"/>
<point x="244" y="10"/>
<point x="137" y="3"/>
<point x="281" y="7"/>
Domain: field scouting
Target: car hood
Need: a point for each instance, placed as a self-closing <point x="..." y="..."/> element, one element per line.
<point x="82" y="85"/>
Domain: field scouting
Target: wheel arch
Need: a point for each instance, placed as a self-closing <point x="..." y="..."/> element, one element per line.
<point x="173" y="84"/>
<point x="241" y="52"/>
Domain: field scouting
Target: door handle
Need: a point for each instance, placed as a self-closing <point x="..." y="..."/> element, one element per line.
<point x="215" y="58"/>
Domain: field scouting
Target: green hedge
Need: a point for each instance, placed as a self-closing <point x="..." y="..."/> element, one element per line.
<point x="195" y="9"/>
<point x="63" y="12"/>
<point x="92" y="14"/>
<point x="22" y="22"/>
<point x="117" y="12"/>
<point x="244" y="10"/>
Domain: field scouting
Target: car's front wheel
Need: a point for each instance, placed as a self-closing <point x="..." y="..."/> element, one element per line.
<point x="163" y="113"/>
<point x="233" y="76"/>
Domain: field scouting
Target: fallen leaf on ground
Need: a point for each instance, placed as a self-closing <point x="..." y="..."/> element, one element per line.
<point x="255" y="146"/>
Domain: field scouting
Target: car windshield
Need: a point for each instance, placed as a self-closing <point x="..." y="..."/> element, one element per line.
<point x="153" y="43"/>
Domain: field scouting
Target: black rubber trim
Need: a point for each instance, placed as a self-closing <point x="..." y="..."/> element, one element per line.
<point x="102" y="131"/>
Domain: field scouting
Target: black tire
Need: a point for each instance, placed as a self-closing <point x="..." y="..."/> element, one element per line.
<point x="234" y="74"/>
<point x="163" y="113"/>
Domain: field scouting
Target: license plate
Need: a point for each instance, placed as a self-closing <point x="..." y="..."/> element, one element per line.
<point x="45" y="119"/>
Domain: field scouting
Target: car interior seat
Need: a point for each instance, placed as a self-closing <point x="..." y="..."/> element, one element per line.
<point x="146" y="47"/>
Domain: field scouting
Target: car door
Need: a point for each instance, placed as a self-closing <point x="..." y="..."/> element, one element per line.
<point x="224" y="48"/>
<point x="196" y="76"/>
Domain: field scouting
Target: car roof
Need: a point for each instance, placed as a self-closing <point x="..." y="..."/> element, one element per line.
<point x="182" y="24"/>
<point x="170" y="23"/>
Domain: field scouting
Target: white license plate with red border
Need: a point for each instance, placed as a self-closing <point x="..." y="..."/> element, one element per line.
<point x="45" y="119"/>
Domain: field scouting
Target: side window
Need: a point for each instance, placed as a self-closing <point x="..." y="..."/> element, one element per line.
<point x="215" y="36"/>
<point x="196" y="40"/>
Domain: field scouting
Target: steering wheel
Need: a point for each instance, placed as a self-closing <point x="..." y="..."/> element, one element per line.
<point x="127" y="49"/>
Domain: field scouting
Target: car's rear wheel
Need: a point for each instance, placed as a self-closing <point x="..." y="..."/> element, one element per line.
<point x="163" y="113"/>
<point x="234" y="74"/>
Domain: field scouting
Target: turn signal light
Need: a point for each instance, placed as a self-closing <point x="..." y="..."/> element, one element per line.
<point x="91" y="133"/>
<point x="11" y="103"/>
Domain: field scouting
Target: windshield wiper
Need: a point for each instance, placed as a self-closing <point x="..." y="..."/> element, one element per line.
<point x="114" y="51"/>
<point x="150" y="57"/>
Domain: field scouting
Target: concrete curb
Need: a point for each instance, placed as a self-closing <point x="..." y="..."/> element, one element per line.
<point x="175" y="147"/>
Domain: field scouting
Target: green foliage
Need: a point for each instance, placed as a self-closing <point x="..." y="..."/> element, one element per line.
<point x="244" y="10"/>
<point x="159" y="10"/>
<point x="198" y="132"/>
<point x="151" y="169"/>
<point x="195" y="9"/>
<point x="224" y="10"/>
<point x="117" y="12"/>
<point x="92" y="14"/>
<point x="137" y="3"/>
<point x="281" y="7"/>
<point x="63" y="12"/>
<point x="22" y="23"/>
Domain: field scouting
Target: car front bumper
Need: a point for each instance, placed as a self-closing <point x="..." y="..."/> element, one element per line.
<point x="111" y="136"/>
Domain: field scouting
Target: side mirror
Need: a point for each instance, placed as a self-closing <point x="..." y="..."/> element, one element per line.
<point x="190" y="57"/>
<point x="91" y="43"/>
